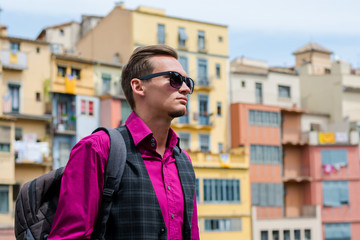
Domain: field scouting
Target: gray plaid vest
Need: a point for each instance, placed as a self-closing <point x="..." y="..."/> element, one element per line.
<point x="136" y="213"/>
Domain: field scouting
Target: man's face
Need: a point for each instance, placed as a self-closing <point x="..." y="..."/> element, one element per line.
<point x="161" y="98"/>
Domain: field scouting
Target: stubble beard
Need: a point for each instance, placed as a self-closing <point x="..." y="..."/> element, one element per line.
<point x="176" y="114"/>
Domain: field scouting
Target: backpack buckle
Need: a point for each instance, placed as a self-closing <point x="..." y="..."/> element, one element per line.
<point x="108" y="193"/>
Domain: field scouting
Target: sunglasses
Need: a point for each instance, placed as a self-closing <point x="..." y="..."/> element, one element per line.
<point x="176" y="79"/>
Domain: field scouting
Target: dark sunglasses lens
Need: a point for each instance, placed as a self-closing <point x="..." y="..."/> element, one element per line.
<point x="190" y="83"/>
<point x="175" y="80"/>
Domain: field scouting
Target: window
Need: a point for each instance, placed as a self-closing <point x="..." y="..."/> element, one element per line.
<point x="307" y="234"/>
<point x="221" y="190"/>
<point x="184" y="140"/>
<point x="61" y="31"/>
<point x="204" y="117"/>
<point x="83" y="107"/>
<point x="38" y="97"/>
<point x="218" y="75"/>
<point x="201" y="40"/>
<point x="258" y="93"/>
<point x="284" y="91"/>
<point x="161" y="34"/>
<point x="286" y="234"/>
<point x="297" y="234"/>
<point x="204" y="140"/>
<point x="14" y="47"/>
<point x="275" y="235"/>
<point x="221" y="147"/>
<point x="5" y="137"/>
<point x="4" y="199"/>
<point x="86" y="107"/>
<point x="91" y="108"/>
<point x="267" y="194"/>
<point x="106" y="83"/>
<point x="264" y="235"/>
<point x="220" y="38"/>
<point x="14" y="90"/>
<point x="264" y="118"/>
<point x="335" y="193"/>
<point x="243" y="84"/>
<point x="18" y="134"/>
<point x="202" y="78"/>
<point x="265" y="154"/>
<point x="335" y="157"/>
<point x="75" y="73"/>
<point x="222" y="225"/>
<point x="61" y="71"/>
<point x="337" y="231"/>
<point x="184" y="63"/>
<point x="37" y="50"/>
<point x="182" y="37"/>
<point x="218" y="109"/>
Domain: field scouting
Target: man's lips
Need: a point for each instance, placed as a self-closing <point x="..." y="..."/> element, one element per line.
<point x="183" y="99"/>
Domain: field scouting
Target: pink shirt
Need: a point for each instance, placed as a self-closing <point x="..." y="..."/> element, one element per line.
<point x="82" y="183"/>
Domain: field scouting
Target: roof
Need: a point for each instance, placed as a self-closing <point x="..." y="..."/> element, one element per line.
<point x="284" y="70"/>
<point x="18" y="39"/>
<point x="43" y="31"/>
<point x="312" y="46"/>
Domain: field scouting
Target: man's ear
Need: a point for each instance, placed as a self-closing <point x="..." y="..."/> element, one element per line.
<point x="137" y="86"/>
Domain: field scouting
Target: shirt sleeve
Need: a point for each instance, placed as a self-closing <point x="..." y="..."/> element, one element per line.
<point x="81" y="187"/>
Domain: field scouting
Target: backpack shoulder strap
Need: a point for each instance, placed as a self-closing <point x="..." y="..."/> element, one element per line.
<point x="113" y="174"/>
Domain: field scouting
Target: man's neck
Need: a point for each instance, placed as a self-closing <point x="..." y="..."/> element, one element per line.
<point x="160" y="128"/>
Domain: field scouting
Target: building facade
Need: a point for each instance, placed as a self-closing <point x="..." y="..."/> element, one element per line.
<point x="25" y="137"/>
<point x="75" y="109"/>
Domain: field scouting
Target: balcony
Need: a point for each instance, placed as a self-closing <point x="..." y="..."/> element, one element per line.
<point x="66" y="125"/>
<point x="27" y="152"/>
<point x="236" y="158"/>
<point x="294" y="136"/>
<point x="203" y="83"/>
<point x="14" y="61"/>
<point x="333" y="138"/>
<point x="296" y="173"/>
<point x="306" y="211"/>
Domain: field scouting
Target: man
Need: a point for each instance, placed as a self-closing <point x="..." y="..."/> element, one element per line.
<point x="156" y="87"/>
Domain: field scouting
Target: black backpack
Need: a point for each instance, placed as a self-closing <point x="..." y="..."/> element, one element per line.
<point x="37" y="201"/>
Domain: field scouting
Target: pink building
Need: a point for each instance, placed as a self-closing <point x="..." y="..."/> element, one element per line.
<point x="335" y="184"/>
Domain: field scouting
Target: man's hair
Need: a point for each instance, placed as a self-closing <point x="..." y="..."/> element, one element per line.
<point x="140" y="65"/>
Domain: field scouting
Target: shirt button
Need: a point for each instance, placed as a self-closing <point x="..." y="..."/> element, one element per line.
<point x="172" y="216"/>
<point x="169" y="187"/>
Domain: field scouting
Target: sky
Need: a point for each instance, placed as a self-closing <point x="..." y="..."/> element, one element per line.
<point x="258" y="29"/>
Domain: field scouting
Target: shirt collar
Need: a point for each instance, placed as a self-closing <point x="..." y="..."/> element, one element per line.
<point x="139" y="131"/>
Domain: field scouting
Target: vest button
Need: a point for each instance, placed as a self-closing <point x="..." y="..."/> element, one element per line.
<point x="162" y="230"/>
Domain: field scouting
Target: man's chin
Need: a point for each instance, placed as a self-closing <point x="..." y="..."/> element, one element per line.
<point x="176" y="114"/>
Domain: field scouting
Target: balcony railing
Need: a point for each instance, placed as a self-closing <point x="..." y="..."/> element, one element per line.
<point x="300" y="211"/>
<point x="296" y="172"/>
<point x="14" y="60"/>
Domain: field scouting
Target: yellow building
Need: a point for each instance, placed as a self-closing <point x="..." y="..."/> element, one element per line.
<point x="24" y="123"/>
<point x="203" y="51"/>
<point x="223" y="198"/>
<point x="204" y="130"/>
